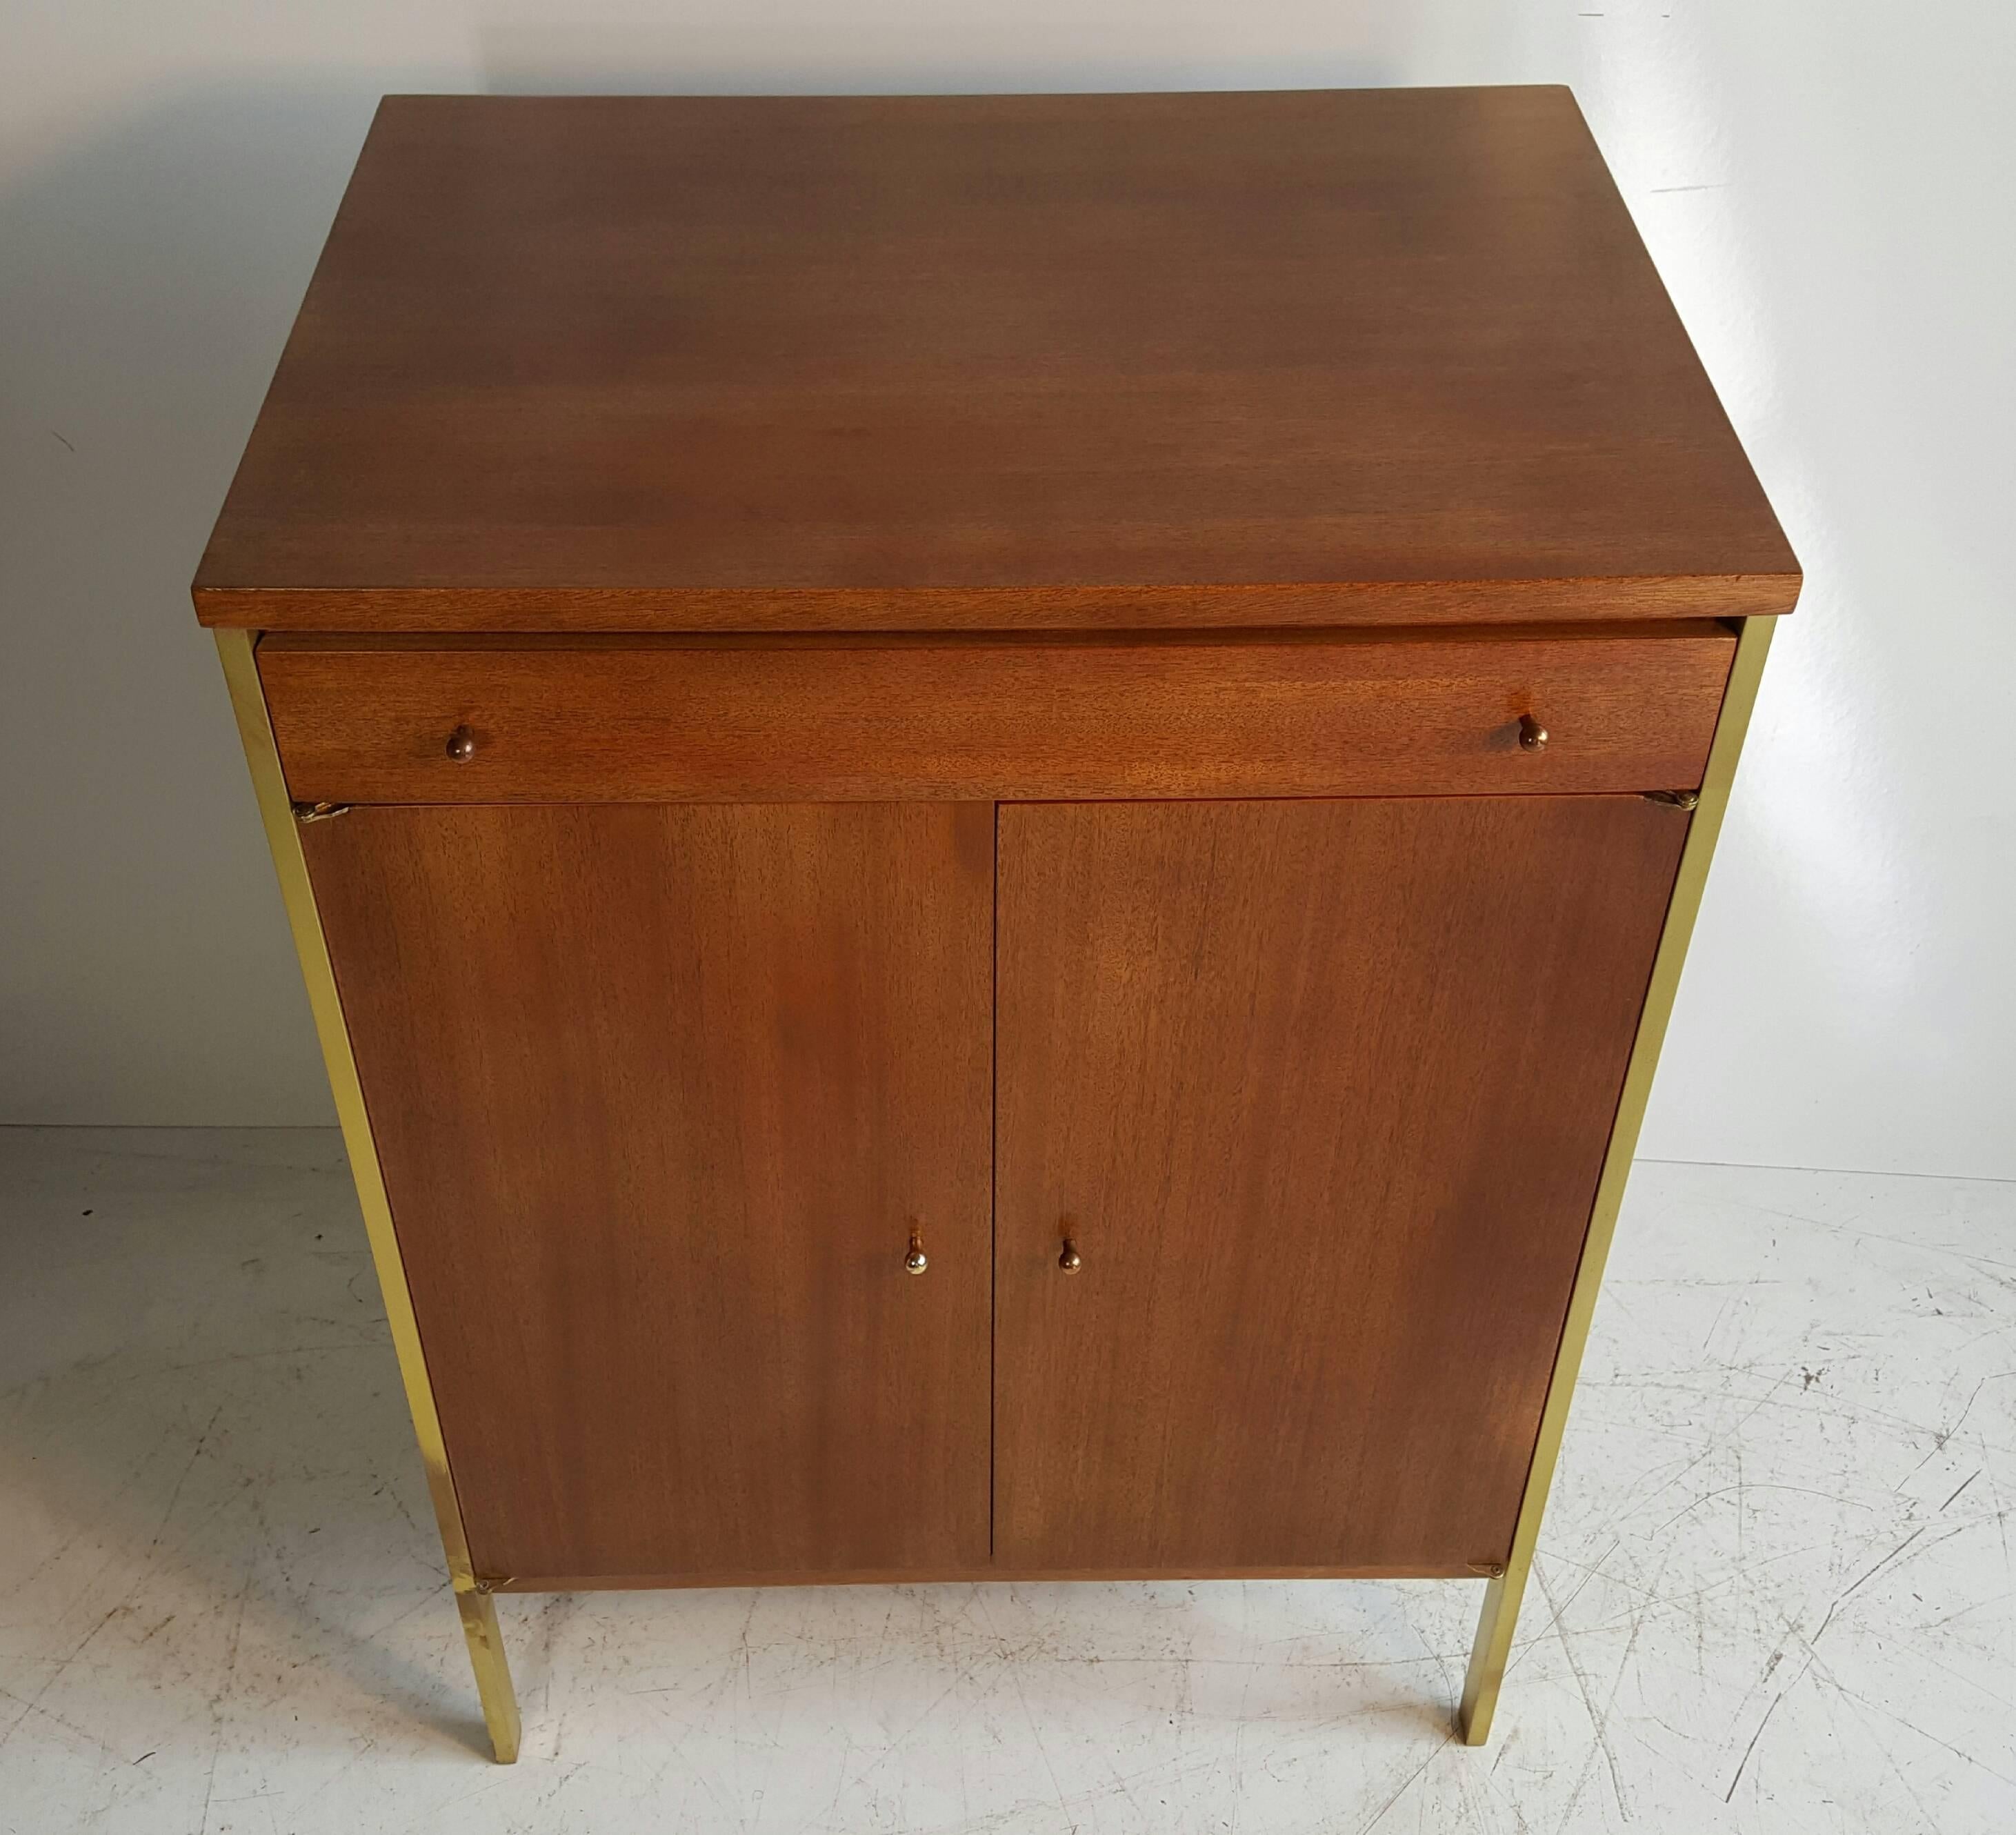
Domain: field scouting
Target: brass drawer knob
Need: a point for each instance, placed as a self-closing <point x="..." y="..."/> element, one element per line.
<point x="915" y="1262"/>
<point x="1069" y="1260"/>
<point x="461" y="745"/>
<point x="1532" y="735"/>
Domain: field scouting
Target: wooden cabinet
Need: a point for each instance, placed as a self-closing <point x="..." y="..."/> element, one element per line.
<point x="990" y="804"/>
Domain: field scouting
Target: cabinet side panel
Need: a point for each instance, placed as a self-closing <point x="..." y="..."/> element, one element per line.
<point x="659" y="1095"/>
<point x="1320" y="1093"/>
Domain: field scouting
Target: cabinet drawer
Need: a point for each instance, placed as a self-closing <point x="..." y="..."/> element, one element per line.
<point x="1325" y="714"/>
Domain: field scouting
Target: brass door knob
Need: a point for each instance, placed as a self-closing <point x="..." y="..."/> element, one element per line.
<point x="1070" y="1261"/>
<point x="1532" y="735"/>
<point x="915" y="1262"/>
<point x="461" y="745"/>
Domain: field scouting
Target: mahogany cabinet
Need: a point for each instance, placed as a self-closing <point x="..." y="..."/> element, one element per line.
<point x="992" y="805"/>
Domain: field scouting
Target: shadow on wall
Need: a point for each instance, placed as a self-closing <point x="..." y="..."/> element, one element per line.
<point x="152" y="271"/>
<point x="652" y="60"/>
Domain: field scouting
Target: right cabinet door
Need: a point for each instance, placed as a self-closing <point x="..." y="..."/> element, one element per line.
<point x="1319" y="1092"/>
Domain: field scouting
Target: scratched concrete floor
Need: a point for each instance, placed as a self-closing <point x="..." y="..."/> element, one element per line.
<point x="1775" y="1594"/>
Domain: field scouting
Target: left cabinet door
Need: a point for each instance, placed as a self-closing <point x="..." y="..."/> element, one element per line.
<point x="660" y="1093"/>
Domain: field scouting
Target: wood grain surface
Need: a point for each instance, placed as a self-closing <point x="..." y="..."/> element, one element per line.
<point x="799" y="363"/>
<point x="1321" y="715"/>
<point x="658" y="1094"/>
<point x="1320" y="1091"/>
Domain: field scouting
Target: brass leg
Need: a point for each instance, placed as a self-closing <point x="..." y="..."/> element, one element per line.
<point x="1493" y="1647"/>
<point x="235" y="649"/>
<point x="493" y="1673"/>
<point x="1487" y="1657"/>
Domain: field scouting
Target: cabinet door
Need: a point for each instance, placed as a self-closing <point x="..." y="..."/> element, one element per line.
<point x="659" y="1093"/>
<point x="1320" y="1090"/>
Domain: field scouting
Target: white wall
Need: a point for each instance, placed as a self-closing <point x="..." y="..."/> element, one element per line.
<point x="1830" y="192"/>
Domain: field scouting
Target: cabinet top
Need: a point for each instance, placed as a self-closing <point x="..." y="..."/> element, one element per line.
<point x="777" y="363"/>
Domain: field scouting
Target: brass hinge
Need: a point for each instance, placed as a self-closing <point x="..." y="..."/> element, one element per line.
<point x="1677" y="799"/>
<point x="1487" y="1570"/>
<point x="321" y="811"/>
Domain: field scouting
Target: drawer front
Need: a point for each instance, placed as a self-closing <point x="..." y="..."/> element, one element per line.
<point x="483" y="721"/>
